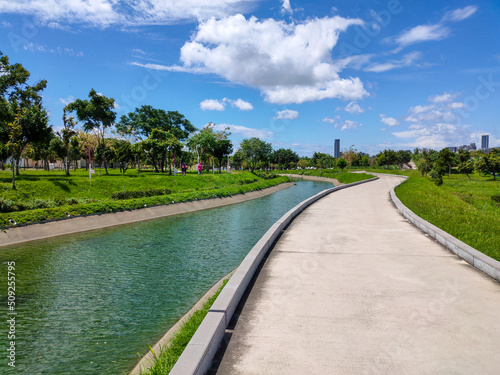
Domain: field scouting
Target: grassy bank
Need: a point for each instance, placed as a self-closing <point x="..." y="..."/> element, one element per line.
<point x="344" y="177"/>
<point x="42" y="196"/>
<point x="462" y="207"/>
<point x="171" y="352"/>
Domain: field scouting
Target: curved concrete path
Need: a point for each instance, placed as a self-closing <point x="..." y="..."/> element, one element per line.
<point x="353" y="288"/>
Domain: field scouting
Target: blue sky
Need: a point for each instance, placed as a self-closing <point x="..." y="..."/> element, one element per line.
<point x="376" y="74"/>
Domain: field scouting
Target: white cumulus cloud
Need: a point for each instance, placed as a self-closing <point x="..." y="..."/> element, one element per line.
<point x="287" y="114"/>
<point x="353" y="107"/>
<point x="287" y="62"/>
<point x="242" y="105"/>
<point x="389" y="121"/>
<point x="212" y="105"/>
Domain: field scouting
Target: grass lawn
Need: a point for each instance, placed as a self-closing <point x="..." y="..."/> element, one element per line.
<point x="42" y="195"/>
<point x="462" y="207"/>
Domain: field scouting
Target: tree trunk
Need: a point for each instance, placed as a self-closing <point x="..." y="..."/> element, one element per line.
<point x="13" y="173"/>
<point x="169" y="164"/>
<point x="67" y="162"/>
<point x="17" y="166"/>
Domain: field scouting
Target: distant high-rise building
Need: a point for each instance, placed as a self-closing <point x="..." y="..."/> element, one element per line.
<point x="485" y="141"/>
<point x="336" y="149"/>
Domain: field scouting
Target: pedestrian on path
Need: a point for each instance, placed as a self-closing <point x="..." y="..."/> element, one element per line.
<point x="200" y="168"/>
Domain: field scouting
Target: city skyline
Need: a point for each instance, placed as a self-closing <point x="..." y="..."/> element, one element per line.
<point x="376" y="74"/>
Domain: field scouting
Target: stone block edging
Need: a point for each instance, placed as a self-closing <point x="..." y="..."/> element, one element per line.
<point x="475" y="258"/>
<point x="199" y="353"/>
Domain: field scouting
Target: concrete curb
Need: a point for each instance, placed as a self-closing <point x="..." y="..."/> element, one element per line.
<point x="147" y="359"/>
<point x="199" y="353"/>
<point x="475" y="258"/>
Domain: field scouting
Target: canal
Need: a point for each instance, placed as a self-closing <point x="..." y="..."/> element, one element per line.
<point x="92" y="303"/>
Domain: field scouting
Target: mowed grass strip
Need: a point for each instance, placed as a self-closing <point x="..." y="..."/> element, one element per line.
<point x="170" y="353"/>
<point x="460" y="207"/>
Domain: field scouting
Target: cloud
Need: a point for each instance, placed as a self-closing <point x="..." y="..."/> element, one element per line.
<point x="444" y="98"/>
<point x="436" y="125"/>
<point x="104" y="13"/>
<point x="389" y="121"/>
<point x="343" y="125"/>
<point x="286" y="7"/>
<point x="242" y="105"/>
<point x="66" y="101"/>
<point x="348" y="124"/>
<point x="287" y="114"/>
<point x="353" y="107"/>
<point x="423" y="33"/>
<point x="407" y="60"/>
<point x="30" y="46"/>
<point x="220" y="105"/>
<point x="287" y="62"/>
<point x="431" y="32"/>
<point x="246" y="132"/>
<point x="460" y="14"/>
<point x="212" y="105"/>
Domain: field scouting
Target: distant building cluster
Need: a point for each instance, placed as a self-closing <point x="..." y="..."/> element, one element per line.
<point x="485" y="145"/>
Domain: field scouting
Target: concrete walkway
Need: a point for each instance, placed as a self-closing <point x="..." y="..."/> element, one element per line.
<point x="353" y="288"/>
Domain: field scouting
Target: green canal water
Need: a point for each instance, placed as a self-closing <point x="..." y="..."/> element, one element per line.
<point x="92" y="303"/>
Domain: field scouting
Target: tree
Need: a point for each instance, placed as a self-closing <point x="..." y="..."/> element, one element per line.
<point x="402" y="158"/>
<point x="140" y="123"/>
<point x="350" y="156"/>
<point x="489" y="164"/>
<point x="66" y="134"/>
<point x="304" y="162"/>
<point x="424" y="161"/>
<point x="284" y="158"/>
<point x="322" y="160"/>
<point x="255" y="150"/>
<point x="341" y="163"/>
<point x="22" y="117"/>
<point x="466" y="167"/>
<point x="203" y="144"/>
<point x="446" y="159"/>
<point x="222" y="149"/>
<point x="97" y="114"/>
<point x="158" y="145"/>
<point x="386" y="158"/>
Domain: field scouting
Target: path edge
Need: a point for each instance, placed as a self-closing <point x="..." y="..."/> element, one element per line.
<point x="475" y="258"/>
<point x="199" y="353"/>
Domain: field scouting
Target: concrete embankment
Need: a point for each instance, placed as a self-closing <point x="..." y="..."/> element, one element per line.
<point x="80" y="224"/>
<point x="333" y="181"/>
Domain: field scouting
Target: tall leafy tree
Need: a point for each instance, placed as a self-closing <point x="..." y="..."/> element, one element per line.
<point x="140" y="123"/>
<point x="285" y="158"/>
<point x="22" y="117"/>
<point x="97" y="114"/>
<point x="489" y="164"/>
<point x="222" y="149"/>
<point x="255" y="151"/>
<point x="159" y="144"/>
<point x="66" y="134"/>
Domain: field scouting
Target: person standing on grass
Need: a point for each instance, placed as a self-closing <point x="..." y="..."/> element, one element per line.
<point x="183" y="168"/>
<point x="200" y="168"/>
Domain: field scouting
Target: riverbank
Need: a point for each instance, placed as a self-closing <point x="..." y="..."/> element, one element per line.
<point x="13" y="236"/>
<point x="333" y="181"/>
